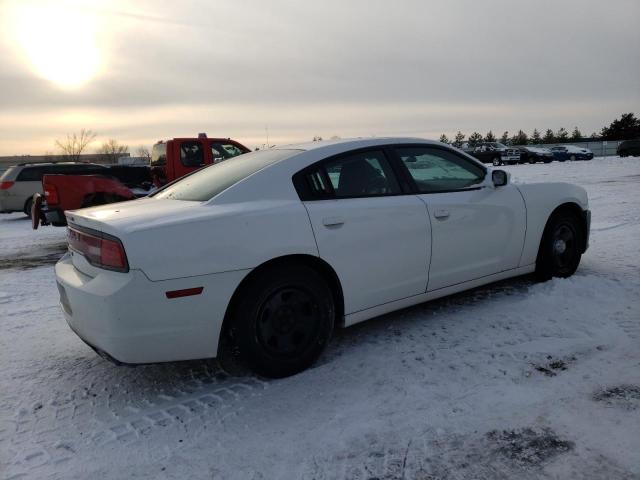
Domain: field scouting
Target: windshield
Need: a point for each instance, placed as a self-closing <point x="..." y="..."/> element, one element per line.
<point x="208" y="182"/>
<point x="159" y="154"/>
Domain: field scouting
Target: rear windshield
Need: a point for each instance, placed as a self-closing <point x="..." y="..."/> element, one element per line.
<point x="8" y="173"/>
<point x="208" y="182"/>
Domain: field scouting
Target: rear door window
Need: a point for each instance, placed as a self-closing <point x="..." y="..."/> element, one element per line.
<point x="360" y="174"/>
<point x="223" y="151"/>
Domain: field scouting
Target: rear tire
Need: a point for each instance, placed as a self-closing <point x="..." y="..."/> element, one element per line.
<point x="283" y="320"/>
<point x="572" y="158"/>
<point x="27" y="207"/>
<point x="561" y="247"/>
<point x="496" y="161"/>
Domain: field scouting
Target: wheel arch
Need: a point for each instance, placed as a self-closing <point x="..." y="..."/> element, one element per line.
<point x="319" y="265"/>
<point x="575" y="210"/>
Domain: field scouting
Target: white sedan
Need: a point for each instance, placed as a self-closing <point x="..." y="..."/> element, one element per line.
<point x="276" y="248"/>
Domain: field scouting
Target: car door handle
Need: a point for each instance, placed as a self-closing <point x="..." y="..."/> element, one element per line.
<point x="332" y="221"/>
<point x="441" y="213"/>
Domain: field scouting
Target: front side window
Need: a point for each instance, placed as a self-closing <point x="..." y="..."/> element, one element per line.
<point x="191" y="154"/>
<point x="435" y="170"/>
<point x="362" y="174"/>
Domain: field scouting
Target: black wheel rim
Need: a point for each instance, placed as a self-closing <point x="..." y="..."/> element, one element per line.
<point x="564" y="247"/>
<point x="288" y="322"/>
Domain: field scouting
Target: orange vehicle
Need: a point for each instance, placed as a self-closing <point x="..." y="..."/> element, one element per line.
<point x="170" y="160"/>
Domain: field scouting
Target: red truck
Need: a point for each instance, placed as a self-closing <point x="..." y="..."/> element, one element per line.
<point x="170" y="160"/>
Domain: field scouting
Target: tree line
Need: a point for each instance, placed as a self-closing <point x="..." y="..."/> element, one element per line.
<point x="625" y="128"/>
<point x="75" y="144"/>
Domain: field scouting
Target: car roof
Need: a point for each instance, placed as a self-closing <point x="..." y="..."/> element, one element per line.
<point x="354" y="143"/>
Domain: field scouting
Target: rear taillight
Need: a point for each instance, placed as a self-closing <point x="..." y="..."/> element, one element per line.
<point x="51" y="194"/>
<point x="6" y="185"/>
<point x="100" y="250"/>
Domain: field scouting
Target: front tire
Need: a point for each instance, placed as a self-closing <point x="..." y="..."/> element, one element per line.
<point x="572" y="158"/>
<point x="561" y="247"/>
<point x="283" y="320"/>
<point x="497" y="162"/>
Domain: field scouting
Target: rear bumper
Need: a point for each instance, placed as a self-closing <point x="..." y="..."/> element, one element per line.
<point x="129" y="318"/>
<point x="54" y="216"/>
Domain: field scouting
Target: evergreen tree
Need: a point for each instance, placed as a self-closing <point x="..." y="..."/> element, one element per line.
<point x="444" y="139"/>
<point x="474" y="139"/>
<point x="576" y="134"/>
<point x="489" y="137"/>
<point x="535" y="137"/>
<point x="505" y="138"/>
<point x="519" y="138"/>
<point x="562" y="135"/>
<point x="549" y="137"/>
<point x="628" y="127"/>
<point x="459" y="138"/>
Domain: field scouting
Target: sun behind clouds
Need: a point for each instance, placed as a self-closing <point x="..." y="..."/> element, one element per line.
<point x="58" y="40"/>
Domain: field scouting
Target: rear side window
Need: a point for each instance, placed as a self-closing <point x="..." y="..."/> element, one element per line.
<point x="223" y="151"/>
<point x="191" y="154"/>
<point x="208" y="182"/>
<point x="31" y="174"/>
<point x="360" y="174"/>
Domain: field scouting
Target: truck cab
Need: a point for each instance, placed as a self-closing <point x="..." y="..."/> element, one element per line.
<point x="177" y="157"/>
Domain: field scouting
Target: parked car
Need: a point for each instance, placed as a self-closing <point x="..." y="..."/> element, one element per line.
<point x="532" y="154"/>
<point x="571" y="152"/>
<point x="275" y="249"/>
<point x="629" y="148"/>
<point x="493" y="152"/>
<point x="170" y="160"/>
<point x="20" y="182"/>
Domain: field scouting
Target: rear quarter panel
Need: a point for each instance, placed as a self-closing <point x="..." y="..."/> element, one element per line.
<point x="219" y="238"/>
<point x="541" y="199"/>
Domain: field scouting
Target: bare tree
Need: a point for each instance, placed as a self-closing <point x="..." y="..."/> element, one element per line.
<point x="73" y="146"/>
<point x="144" y="152"/>
<point x="113" y="150"/>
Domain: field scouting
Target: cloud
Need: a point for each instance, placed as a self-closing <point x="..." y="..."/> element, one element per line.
<point x="341" y="68"/>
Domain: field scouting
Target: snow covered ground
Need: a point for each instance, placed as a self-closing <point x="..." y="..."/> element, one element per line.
<point x="514" y="380"/>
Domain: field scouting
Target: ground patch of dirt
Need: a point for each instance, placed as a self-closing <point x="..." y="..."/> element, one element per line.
<point x="528" y="447"/>
<point x="554" y="365"/>
<point x="25" y="261"/>
<point x="622" y="396"/>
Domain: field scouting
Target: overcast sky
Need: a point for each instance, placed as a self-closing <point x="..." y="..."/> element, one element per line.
<point x="142" y="71"/>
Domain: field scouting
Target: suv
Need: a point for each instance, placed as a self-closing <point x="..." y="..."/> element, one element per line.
<point x="629" y="148"/>
<point x="20" y="182"/>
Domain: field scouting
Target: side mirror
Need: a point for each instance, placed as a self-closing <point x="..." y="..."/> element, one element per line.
<point x="499" y="178"/>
